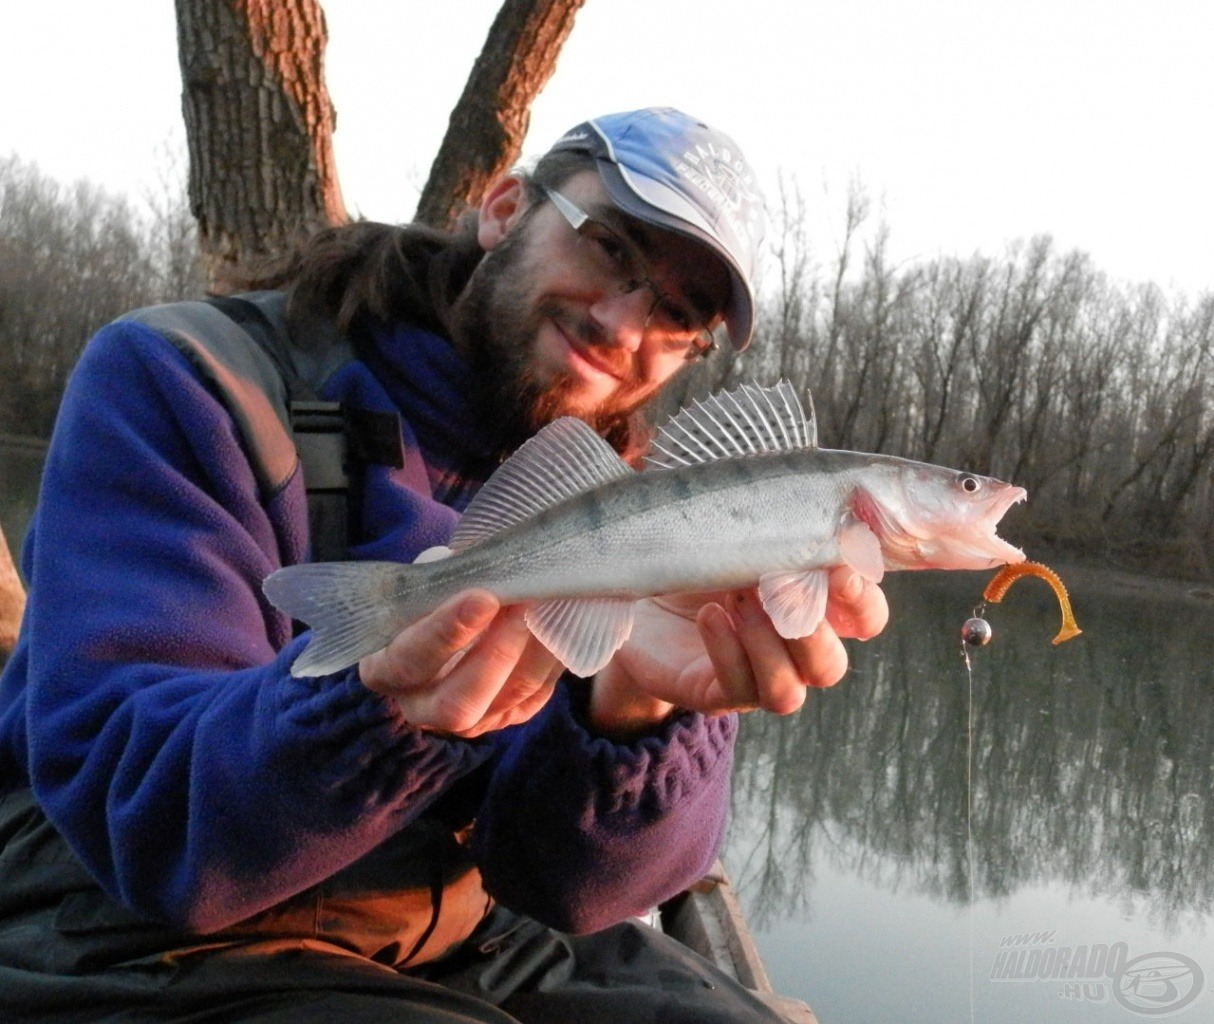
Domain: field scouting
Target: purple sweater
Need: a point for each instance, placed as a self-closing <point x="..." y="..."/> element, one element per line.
<point x="149" y="704"/>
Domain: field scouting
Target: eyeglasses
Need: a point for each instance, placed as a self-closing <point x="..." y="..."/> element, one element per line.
<point x="619" y="261"/>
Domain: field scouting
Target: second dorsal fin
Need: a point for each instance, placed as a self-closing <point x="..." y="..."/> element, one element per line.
<point x="746" y="421"/>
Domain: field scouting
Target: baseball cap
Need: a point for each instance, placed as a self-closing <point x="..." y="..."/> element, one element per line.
<point x="673" y="171"/>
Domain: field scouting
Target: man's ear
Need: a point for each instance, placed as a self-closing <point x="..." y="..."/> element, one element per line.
<point x="502" y="206"/>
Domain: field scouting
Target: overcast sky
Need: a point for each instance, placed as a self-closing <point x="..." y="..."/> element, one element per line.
<point x="971" y="124"/>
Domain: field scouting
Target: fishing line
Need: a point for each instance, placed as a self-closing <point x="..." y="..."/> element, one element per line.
<point x="975" y="632"/>
<point x="969" y="811"/>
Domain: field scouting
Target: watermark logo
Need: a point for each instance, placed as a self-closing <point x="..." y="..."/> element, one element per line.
<point x="1159" y="984"/>
<point x="1150" y="985"/>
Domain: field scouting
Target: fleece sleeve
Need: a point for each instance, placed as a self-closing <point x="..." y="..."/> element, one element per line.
<point x="580" y="832"/>
<point x="194" y="777"/>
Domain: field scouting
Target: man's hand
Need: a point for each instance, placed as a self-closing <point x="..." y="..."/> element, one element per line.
<point x="719" y="652"/>
<point x="467" y="668"/>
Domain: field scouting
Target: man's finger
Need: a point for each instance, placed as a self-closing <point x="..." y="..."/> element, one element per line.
<point x="459" y="701"/>
<point x="537" y="669"/>
<point x="780" y="680"/>
<point x="821" y="658"/>
<point x="419" y="652"/>
<point x="855" y="607"/>
<point x="736" y="684"/>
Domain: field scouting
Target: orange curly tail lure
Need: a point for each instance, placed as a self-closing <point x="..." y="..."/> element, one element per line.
<point x="999" y="585"/>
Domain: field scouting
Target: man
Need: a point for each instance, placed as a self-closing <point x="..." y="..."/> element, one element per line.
<point x="191" y="833"/>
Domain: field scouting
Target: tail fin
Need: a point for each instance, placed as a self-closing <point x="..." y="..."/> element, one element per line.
<point x="354" y="609"/>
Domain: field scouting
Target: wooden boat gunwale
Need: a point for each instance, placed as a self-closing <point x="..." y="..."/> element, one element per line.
<point x="708" y="919"/>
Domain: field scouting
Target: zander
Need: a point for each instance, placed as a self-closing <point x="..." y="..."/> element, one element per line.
<point x="736" y="493"/>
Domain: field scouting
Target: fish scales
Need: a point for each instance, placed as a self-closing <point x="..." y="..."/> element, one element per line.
<point x="742" y="495"/>
<point x="700" y="527"/>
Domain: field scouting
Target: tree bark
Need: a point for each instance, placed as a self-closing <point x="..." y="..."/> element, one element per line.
<point x="488" y="125"/>
<point x="259" y="124"/>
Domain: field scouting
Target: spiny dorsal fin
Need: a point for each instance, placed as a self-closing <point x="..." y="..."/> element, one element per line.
<point x="564" y="459"/>
<point x="745" y="421"/>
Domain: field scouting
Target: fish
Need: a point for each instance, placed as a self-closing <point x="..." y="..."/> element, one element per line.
<point x="735" y="492"/>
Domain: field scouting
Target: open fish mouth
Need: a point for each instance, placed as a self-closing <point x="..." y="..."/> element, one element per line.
<point x="985" y="543"/>
<point x="994" y="549"/>
<point x="952" y="535"/>
<point x="1010" y="496"/>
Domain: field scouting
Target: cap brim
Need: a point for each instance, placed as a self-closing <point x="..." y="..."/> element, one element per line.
<point x="652" y="201"/>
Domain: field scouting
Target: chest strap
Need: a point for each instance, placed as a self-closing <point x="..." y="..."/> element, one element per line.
<point x="270" y="385"/>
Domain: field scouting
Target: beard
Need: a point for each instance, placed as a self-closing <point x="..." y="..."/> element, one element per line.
<point x="496" y="326"/>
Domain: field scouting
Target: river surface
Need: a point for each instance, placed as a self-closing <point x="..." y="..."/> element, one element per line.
<point x="1069" y="879"/>
<point x="1030" y="842"/>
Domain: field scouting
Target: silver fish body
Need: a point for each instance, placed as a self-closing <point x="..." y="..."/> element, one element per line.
<point x="741" y="496"/>
<point x="709" y="526"/>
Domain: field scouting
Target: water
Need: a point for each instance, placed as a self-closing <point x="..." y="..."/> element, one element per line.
<point x="1093" y="827"/>
<point x="1093" y="824"/>
<point x="20" y="468"/>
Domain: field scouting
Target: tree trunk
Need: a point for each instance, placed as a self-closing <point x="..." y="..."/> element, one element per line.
<point x="488" y="124"/>
<point x="259" y="125"/>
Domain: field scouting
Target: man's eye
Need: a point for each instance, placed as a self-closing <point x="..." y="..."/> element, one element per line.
<point x="612" y="247"/>
<point x="676" y="317"/>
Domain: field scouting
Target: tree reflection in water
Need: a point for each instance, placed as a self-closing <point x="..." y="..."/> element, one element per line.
<point x="1091" y="761"/>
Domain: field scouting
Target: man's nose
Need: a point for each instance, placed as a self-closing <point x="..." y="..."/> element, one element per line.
<point x="624" y="316"/>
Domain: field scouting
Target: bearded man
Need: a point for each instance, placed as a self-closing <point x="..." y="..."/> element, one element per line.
<point x="191" y="833"/>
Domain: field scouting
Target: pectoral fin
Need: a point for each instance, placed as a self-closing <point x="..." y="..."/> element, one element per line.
<point x="860" y="549"/>
<point x="582" y="633"/>
<point x="794" y="601"/>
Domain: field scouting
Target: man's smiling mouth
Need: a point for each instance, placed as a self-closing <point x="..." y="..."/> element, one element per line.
<point x="588" y="353"/>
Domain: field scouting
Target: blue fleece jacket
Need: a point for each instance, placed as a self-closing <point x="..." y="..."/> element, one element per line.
<point x="150" y="707"/>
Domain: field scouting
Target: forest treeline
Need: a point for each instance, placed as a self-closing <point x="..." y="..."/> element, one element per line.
<point x="72" y="258"/>
<point x="1030" y="365"/>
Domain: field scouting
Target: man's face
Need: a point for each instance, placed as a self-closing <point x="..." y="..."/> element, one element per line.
<point x="550" y="336"/>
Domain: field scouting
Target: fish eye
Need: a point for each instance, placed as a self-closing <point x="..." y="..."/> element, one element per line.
<point x="971" y="484"/>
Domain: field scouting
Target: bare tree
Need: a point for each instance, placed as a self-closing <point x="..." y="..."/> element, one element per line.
<point x="71" y="258"/>
<point x="951" y="316"/>
<point x="172" y="229"/>
<point x="259" y="125"/>
<point x="488" y="124"/>
<point x="790" y="322"/>
<point x="259" y="120"/>
<point x="1000" y="363"/>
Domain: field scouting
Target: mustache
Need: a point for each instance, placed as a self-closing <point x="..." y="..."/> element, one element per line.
<point x="588" y="333"/>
